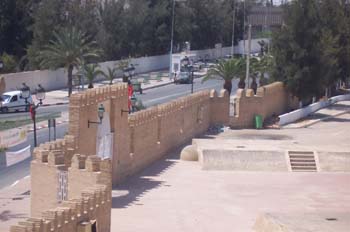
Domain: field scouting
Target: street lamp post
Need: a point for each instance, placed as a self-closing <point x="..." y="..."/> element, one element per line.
<point x="172" y="40"/>
<point x="189" y="68"/>
<point x="129" y="72"/>
<point x="40" y="96"/>
<point x="233" y="28"/>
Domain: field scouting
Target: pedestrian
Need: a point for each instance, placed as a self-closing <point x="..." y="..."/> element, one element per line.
<point x="130" y="94"/>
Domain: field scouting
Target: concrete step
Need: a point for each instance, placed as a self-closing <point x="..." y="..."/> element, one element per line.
<point x="303" y="164"/>
<point x="302" y="161"/>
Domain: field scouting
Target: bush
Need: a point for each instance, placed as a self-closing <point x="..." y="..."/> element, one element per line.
<point x="10" y="63"/>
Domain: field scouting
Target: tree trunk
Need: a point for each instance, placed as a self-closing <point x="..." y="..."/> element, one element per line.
<point x="241" y="83"/>
<point x="254" y="85"/>
<point x="70" y="80"/>
<point x="90" y="86"/>
<point x="228" y="86"/>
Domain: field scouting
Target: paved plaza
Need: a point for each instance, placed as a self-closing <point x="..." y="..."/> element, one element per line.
<point x="175" y="195"/>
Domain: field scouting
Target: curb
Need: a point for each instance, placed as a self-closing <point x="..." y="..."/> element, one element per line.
<point x="46" y="126"/>
<point x="156" y="86"/>
<point x="317" y="121"/>
<point x="55" y="104"/>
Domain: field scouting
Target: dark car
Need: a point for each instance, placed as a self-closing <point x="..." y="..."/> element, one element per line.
<point x="183" y="78"/>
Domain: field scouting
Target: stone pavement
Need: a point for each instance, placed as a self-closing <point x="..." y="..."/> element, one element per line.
<point x="175" y="195"/>
<point x="334" y="110"/>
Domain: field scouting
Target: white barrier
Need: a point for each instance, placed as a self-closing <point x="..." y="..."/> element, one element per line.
<point x="57" y="79"/>
<point x="18" y="156"/>
<point x="304" y="112"/>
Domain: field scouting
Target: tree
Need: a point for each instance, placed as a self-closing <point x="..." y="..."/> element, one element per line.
<point x="91" y="71"/>
<point x="110" y="74"/>
<point x="295" y="49"/>
<point x="312" y="50"/>
<point x="226" y="70"/>
<point x="69" y="49"/>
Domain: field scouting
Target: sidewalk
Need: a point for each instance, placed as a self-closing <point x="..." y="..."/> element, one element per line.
<point x="332" y="111"/>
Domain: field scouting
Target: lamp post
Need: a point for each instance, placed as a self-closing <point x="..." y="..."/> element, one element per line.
<point x="100" y="113"/>
<point x="129" y="72"/>
<point x="189" y="69"/>
<point x="25" y="93"/>
<point x="233" y="28"/>
<point x="40" y="96"/>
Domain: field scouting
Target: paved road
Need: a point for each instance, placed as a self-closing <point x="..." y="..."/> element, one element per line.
<point x="18" y="171"/>
<point x="149" y="98"/>
<point x="160" y="95"/>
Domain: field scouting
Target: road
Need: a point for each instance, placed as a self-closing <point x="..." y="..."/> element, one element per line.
<point x="149" y="98"/>
<point x="18" y="171"/>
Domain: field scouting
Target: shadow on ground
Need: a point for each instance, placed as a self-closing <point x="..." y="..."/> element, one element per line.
<point x="135" y="187"/>
<point x="7" y="215"/>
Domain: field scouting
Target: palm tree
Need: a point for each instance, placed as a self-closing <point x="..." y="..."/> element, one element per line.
<point x="91" y="71"/>
<point x="110" y="74"/>
<point x="226" y="70"/>
<point x="68" y="49"/>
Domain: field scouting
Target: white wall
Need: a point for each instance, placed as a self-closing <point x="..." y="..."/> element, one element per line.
<point x="304" y="112"/>
<point x="52" y="80"/>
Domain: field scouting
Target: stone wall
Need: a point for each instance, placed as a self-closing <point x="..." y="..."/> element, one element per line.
<point x="269" y="100"/>
<point x="88" y="190"/>
<point x="155" y="131"/>
<point x="68" y="179"/>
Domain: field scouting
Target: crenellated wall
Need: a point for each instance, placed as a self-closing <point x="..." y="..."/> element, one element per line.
<point x="270" y="99"/>
<point x="66" y="173"/>
<point x="158" y="130"/>
<point x="88" y="193"/>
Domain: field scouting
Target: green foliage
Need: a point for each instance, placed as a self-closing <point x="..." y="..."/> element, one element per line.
<point x="91" y="71"/>
<point x="69" y="49"/>
<point x="311" y="51"/>
<point x="9" y="62"/>
<point x="111" y="74"/>
<point x="226" y="70"/>
<point x="121" y="28"/>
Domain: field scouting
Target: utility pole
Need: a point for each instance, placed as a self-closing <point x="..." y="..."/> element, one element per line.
<point x="233" y="29"/>
<point x="172" y="40"/>
<point x="248" y="55"/>
<point x="244" y="50"/>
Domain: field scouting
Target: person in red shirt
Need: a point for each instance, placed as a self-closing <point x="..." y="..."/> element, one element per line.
<point x="130" y="94"/>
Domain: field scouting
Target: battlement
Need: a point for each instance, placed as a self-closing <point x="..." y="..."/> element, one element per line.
<point x="93" y="96"/>
<point x="58" y="152"/>
<point x="143" y="116"/>
<point x="90" y="163"/>
<point x="94" y="204"/>
<point x="272" y="99"/>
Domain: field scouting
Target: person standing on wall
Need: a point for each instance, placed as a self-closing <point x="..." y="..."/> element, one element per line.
<point x="130" y="94"/>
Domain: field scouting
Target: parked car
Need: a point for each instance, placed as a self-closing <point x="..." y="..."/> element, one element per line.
<point x="13" y="102"/>
<point x="183" y="78"/>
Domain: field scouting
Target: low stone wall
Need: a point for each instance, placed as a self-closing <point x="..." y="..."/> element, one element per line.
<point x="269" y="100"/>
<point x="243" y="160"/>
<point x="334" y="161"/>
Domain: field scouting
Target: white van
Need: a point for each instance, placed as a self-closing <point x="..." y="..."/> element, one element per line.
<point x="13" y="102"/>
